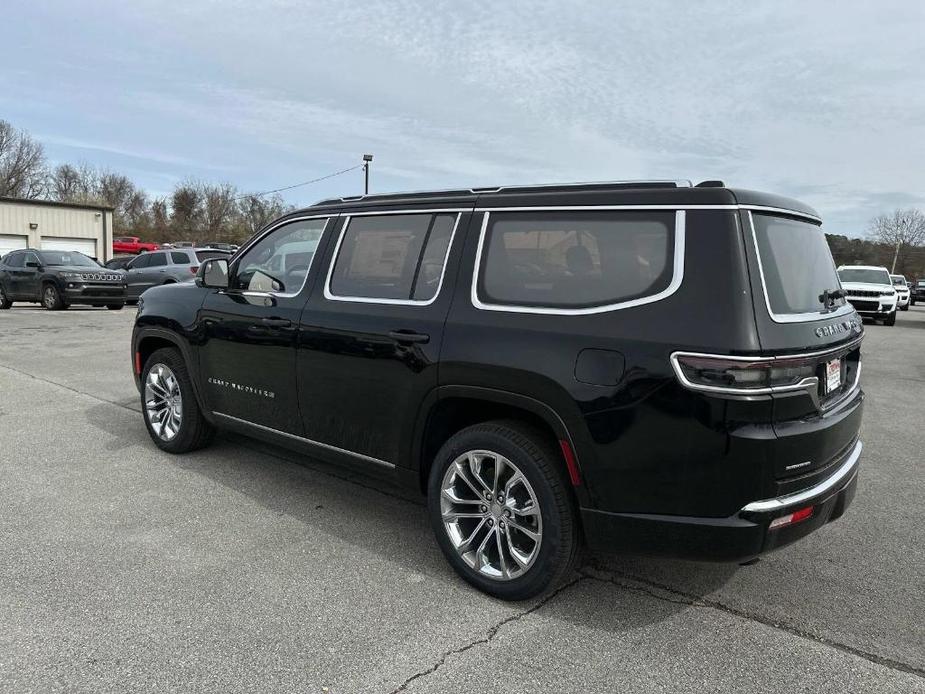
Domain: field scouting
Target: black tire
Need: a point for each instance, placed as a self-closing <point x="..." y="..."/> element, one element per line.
<point x="115" y="307"/>
<point x="194" y="431"/>
<point x="904" y="308"/>
<point x="51" y="297"/>
<point x="540" y="462"/>
<point x="891" y="320"/>
<point x="5" y="302"/>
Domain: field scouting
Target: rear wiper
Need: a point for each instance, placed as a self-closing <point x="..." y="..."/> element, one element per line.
<point x="830" y="296"/>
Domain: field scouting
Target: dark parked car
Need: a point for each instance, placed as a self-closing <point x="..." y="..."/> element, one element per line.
<point x="57" y="279"/>
<point x="165" y="267"/>
<point x="917" y="291"/>
<point x="119" y="262"/>
<point x="645" y="367"/>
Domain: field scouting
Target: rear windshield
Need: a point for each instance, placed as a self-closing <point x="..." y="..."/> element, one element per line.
<point x="208" y="255"/>
<point x="796" y="264"/>
<point x="869" y="275"/>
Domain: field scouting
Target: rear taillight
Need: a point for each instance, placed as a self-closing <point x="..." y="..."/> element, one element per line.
<point x="194" y="269"/>
<point x="791" y="518"/>
<point x="754" y="375"/>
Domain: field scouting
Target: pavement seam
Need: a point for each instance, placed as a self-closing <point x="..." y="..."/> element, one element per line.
<point x="490" y="634"/>
<point x="66" y="387"/>
<point x="691" y="600"/>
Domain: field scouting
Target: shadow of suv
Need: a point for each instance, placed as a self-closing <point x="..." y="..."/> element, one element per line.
<point x="165" y="267"/>
<point x="646" y="367"/>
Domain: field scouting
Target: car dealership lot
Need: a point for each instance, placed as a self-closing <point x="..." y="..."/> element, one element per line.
<point x="245" y="568"/>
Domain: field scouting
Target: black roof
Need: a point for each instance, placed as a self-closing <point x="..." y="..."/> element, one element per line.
<point x="52" y="203"/>
<point x="609" y="193"/>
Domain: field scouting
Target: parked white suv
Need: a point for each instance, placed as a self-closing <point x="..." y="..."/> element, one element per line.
<point x="870" y="290"/>
<point x="902" y="292"/>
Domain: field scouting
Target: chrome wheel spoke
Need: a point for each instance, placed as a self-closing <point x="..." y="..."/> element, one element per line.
<point x="163" y="402"/>
<point x="491" y="515"/>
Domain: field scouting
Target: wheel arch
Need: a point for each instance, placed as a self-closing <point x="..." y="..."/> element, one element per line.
<point x="449" y="409"/>
<point x="149" y="340"/>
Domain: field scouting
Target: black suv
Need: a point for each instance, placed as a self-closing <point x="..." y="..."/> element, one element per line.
<point x="642" y="367"/>
<point x="57" y="279"/>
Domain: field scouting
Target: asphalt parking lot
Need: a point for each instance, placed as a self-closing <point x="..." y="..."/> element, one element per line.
<point x="243" y="568"/>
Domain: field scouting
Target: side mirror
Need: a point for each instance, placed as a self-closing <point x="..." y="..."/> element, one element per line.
<point x="33" y="263"/>
<point x="213" y="273"/>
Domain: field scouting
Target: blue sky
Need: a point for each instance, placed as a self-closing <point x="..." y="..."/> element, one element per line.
<point x="824" y="101"/>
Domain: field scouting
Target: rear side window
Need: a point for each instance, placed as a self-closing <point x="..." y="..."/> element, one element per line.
<point x="157" y="259"/>
<point x="178" y="258"/>
<point x="15" y="260"/>
<point x="392" y="257"/>
<point x="796" y="264"/>
<point x="576" y="260"/>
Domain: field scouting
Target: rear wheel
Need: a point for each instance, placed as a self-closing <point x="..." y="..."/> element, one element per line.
<point x="502" y="511"/>
<point x="5" y="302"/>
<point x="51" y="298"/>
<point x="168" y="403"/>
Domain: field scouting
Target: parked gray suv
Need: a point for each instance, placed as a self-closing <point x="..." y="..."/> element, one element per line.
<point x="165" y="267"/>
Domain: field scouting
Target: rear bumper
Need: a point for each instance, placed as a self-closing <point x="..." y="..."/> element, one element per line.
<point x="737" y="538"/>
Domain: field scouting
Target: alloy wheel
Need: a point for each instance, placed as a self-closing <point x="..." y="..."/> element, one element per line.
<point x="50" y="298"/>
<point x="491" y="515"/>
<point x="163" y="401"/>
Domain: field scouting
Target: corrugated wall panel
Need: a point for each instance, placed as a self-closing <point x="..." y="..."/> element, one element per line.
<point x="15" y="218"/>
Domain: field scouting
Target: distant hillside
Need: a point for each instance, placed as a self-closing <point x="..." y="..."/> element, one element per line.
<point x="911" y="262"/>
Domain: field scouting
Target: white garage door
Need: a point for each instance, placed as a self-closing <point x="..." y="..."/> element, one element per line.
<point x="11" y="242"/>
<point x="60" y="243"/>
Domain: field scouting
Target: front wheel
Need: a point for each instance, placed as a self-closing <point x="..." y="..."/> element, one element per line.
<point x="51" y="298"/>
<point x="501" y="510"/>
<point x="891" y="320"/>
<point x="168" y="403"/>
<point x="5" y="302"/>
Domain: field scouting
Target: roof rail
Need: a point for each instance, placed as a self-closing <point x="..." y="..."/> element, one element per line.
<point x="667" y="183"/>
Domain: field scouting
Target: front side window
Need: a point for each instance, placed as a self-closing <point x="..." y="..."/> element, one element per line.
<point x="576" y="260"/>
<point x="796" y="265"/>
<point x="140" y="262"/>
<point x="392" y="257"/>
<point x="280" y="261"/>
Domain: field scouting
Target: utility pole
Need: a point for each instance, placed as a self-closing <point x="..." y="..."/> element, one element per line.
<point x="895" y="257"/>
<point x="367" y="159"/>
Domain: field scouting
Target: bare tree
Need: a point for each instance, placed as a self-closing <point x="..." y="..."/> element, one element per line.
<point x="22" y="164"/>
<point x="219" y="210"/>
<point x="901" y="229"/>
<point x="256" y="211"/>
<point x="185" y="209"/>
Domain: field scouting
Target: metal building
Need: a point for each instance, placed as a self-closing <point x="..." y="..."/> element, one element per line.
<point x="55" y="226"/>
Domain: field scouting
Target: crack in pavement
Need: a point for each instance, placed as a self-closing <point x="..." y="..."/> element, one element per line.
<point x="490" y="634"/>
<point x="692" y="600"/>
<point x="684" y="598"/>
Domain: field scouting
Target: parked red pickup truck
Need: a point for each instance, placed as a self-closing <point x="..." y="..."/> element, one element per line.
<point x="132" y="244"/>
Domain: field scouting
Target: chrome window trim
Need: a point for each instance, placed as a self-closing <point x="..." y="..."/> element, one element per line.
<point x="845" y="310"/>
<point x="361" y="456"/>
<point x="330" y="296"/>
<point x="781" y="502"/>
<point x="730" y="207"/>
<point x="676" y="277"/>
<point x="244" y="251"/>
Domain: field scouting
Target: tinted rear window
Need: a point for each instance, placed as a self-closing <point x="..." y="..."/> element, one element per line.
<point x="178" y="258"/>
<point x="207" y="255"/>
<point x="576" y="260"/>
<point x="796" y="264"/>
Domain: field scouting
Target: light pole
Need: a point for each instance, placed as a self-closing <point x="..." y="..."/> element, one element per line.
<point x="367" y="158"/>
